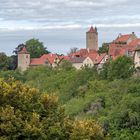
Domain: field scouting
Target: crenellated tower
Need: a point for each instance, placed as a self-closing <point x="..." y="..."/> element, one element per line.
<point x="92" y="39"/>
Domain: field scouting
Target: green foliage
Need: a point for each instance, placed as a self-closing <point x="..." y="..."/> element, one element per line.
<point x="65" y="65"/>
<point x="84" y="130"/>
<point x="3" y="61"/>
<point x="65" y="81"/>
<point x="113" y="102"/>
<point x="12" y="73"/>
<point x="12" y="62"/>
<point x="25" y="113"/>
<point x="104" y="48"/>
<point x="121" y="68"/>
<point x="35" y="48"/>
<point x="7" y="62"/>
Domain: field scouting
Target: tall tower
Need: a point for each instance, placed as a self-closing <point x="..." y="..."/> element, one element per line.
<point x="23" y="59"/>
<point x="92" y="39"/>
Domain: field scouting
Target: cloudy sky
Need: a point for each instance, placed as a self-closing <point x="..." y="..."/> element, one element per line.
<point x="61" y="24"/>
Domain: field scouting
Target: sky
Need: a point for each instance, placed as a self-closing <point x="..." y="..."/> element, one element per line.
<point x="62" y="24"/>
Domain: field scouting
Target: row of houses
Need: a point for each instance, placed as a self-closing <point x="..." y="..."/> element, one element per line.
<point x="127" y="44"/>
<point x="85" y="58"/>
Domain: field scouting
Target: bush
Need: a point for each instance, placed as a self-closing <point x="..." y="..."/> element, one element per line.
<point x="25" y="113"/>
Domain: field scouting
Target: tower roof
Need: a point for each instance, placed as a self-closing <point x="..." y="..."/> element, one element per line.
<point x="91" y="30"/>
<point x="23" y="51"/>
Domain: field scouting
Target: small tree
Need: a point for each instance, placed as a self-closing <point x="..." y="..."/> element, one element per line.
<point x="104" y="48"/>
<point x="36" y="48"/>
<point x="121" y="68"/>
<point x="3" y="61"/>
<point x="73" y="50"/>
<point x="18" y="48"/>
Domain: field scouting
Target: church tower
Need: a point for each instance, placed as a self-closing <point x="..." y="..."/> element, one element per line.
<point x="23" y="59"/>
<point x="92" y="39"/>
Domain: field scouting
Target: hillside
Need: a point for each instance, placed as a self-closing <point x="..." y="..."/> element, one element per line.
<point x="85" y="94"/>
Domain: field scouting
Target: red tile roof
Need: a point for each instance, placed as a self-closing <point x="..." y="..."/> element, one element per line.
<point x="83" y="53"/>
<point x="49" y="57"/>
<point x="99" y="58"/>
<point x="93" y="56"/>
<point x="43" y="59"/>
<point x="123" y="38"/>
<point x="92" y="30"/>
<point x="116" y="50"/>
<point x="36" y="61"/>
<point x="65" y="57"/>
<point x="135" y="42"/>
<point x="23" y="51"/>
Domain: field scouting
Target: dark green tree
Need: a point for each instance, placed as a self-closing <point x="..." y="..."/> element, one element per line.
<point x="18" y="48"/>
<point x="104" y="48"/>
<point x="121" y="68"/>
<point x="3" y="61"/>
<point x="12" y="62"/>
<point x="36" y="48"/>
<point x="104" y="72"/>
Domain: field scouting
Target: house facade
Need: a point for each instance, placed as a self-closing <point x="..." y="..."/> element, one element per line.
<point x="137" y="57"/>
<point x="127" y="45"/>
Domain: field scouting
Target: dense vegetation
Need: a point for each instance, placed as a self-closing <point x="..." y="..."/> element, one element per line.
<point x="111" y="97"/>
<point x="27" y="114"/>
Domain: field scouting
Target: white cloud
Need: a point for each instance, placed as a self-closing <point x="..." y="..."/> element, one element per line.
<point x="61" y="14"/>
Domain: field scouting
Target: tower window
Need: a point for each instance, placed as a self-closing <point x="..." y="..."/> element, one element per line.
<point x="26" y="56"/>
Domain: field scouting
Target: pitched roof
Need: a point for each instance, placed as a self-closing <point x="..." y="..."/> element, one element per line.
<point x="49" y="57"/>
<point x="77" y="59"/>
<point x="36" y="61"/>
<point x="99" y="58"/>
<point x="23" y="51"/>
<point x="116" y="50"/>
<point x="92" y="30"/>
<point x="46" y="58"/>
<point x="135" y="42"/>
<point x="83" y="53"/>
<point x="123" y="38"/>
<point x="93" y="56"/>
<point x="64" y="58"/>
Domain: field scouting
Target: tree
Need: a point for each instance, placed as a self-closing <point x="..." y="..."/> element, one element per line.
<point x="121" y="68"/>
<point x="73" y="50"/>
<point x="3" y="61"/>
<point x="18" y="48"/>
<point x="104" y="72"/>
<point x="8" y="62"/>
<point x="25" y="113"/>
<point x="65" y="65"/>
<point x="35" y="48"/>
<point x="104" y="48"/>
<point x="12" y="62"/>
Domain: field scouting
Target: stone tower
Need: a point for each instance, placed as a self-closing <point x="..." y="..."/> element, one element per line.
<point x="23" y="59"/>
<point x="92" y="39"/>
